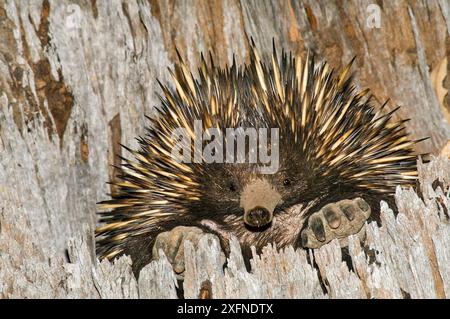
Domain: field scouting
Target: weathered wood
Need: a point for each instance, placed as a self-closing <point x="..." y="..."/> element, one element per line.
<point x="77" y="77"/>
<point x="412" y="253"/>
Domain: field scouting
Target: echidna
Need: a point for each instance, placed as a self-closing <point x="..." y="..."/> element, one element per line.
<point x="333" y="145"/>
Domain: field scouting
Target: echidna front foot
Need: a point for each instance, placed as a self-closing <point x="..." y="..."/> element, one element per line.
<point x="172" y="244"/>
<point x="336" y="220"/>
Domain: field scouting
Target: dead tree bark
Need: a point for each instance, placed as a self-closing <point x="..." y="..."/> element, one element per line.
<point x="77" y="77"/>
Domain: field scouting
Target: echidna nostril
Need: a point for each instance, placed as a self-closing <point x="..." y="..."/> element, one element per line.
<point x="257" y="217"/>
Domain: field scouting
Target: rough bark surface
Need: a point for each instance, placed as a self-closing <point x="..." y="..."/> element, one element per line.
<point x="409" y="257"/>
<point x="77" y="77"/>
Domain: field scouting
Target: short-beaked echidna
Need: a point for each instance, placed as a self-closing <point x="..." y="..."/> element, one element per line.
<point x="333" y="145"/>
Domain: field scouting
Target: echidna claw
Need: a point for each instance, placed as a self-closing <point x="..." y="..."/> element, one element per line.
<point x="336" y="220"/>
<point x="172" y="244"/>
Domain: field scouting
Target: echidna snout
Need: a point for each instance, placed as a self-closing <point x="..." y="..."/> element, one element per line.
<point x="259" y="199"/>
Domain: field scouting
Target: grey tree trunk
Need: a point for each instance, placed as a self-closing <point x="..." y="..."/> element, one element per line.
<point x="77" y="77"/>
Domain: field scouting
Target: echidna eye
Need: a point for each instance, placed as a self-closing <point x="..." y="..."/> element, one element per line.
<point x="232" y="187"/>
<point x="287" y="182"/>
